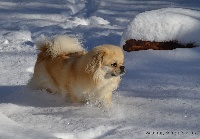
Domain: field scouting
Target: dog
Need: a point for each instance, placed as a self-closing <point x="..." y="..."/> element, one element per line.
<point x="63" y="66"/>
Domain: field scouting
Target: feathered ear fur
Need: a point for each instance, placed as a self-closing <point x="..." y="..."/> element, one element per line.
<point x="95" y="61"/>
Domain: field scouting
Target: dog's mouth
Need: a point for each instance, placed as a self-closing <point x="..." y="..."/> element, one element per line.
<point x="114" y="75"/>
<point x="122" y="72"/>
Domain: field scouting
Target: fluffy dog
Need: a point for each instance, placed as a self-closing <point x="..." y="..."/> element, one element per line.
<point x="63" y="66"/>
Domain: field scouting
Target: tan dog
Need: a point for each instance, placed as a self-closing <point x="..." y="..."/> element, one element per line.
<point x="63" y="66"/>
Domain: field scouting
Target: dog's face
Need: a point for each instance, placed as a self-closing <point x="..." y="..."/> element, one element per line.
<point x="112" y="62"/>
<point x="109" y="59"/>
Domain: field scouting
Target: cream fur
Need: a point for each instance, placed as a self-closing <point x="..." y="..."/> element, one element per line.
<point x="64" y="67"/>
<point x="59" y="45"/>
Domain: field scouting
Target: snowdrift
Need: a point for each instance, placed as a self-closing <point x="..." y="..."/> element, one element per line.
<point x="167" y="24"/>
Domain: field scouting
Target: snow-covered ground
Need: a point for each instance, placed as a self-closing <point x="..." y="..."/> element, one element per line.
<point x="159" y="96"/>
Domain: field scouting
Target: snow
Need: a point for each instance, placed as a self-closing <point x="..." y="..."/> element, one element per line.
<point x="165" y="24"/>
<point x="158" y="97"/>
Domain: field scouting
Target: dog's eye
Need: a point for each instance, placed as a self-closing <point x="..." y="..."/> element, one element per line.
<point x="114" y="65"/>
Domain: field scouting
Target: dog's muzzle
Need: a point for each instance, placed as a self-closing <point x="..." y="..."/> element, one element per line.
<point x="122" y="69"/>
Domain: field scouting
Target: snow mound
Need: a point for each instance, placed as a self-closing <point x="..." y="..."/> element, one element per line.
<point x="18" y="36"/>
<point x="165" y="24"/>
<point x="98" y="20"/>
<point x="93" y="20"/>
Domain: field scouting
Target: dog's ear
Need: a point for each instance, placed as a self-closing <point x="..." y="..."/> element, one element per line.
<point x="95" y="61"/>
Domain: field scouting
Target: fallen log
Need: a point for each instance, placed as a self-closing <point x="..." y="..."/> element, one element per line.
<point x="137" y="45"/>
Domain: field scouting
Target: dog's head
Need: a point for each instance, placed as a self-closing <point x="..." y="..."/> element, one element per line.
<point x="108" y="60"/>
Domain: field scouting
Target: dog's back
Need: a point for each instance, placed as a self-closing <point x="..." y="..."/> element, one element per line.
<point x="61" y="47"/>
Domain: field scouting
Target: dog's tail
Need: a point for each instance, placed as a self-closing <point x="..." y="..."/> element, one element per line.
<point x="60" y="45"/>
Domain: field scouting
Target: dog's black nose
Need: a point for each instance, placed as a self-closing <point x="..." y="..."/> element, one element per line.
<point x="122" y="69"/>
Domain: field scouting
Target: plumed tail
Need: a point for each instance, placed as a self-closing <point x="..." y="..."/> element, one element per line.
<point x="60" y="45"/>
